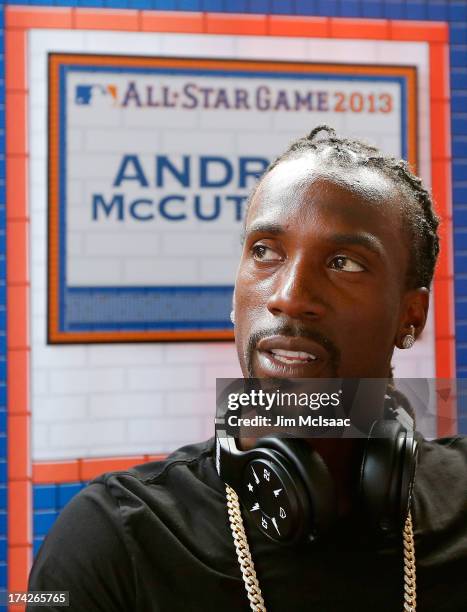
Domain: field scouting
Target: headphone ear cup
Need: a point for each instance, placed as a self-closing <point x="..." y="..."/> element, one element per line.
<point x="381" y="476"/>
<point x="310" y="469"/>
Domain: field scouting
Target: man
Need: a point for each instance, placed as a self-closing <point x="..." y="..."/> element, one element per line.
<point x="338" y="257"/>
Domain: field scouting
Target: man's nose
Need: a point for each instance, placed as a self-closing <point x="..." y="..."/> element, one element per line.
<point x="297" y="292"/>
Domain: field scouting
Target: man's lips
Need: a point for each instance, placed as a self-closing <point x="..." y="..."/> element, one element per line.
<point x="291" y="355"/>
<point x="303" y="349"/>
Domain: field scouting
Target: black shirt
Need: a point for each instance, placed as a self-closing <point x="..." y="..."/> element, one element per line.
<point x="157" y="538"/>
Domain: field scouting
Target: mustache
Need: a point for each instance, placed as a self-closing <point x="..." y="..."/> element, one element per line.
<point x="296" y="330"/>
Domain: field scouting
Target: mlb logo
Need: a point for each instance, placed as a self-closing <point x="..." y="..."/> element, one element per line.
<point x="85" y="94"/>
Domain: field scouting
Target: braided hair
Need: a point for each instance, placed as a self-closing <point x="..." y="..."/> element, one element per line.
<point x="421" y="219"/>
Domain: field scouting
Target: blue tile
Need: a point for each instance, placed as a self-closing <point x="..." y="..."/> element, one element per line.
<point x="461" y="310"/>
<point x="67" y="492"/>
<point x="460" y="239"/>
<point x="461" y="330"/>
<point x="218" y="6"/>
<point x="90" y="3"/>
<point x="3" y="471"/>
<point x="459" y="171"/>
<point x="3" y="496"/>
<point x="45" y="497"/>
<point x="235" y="6"/>
<point x="350" y="8"/>
<point x="3" y="550"/>
<point x="459" y="101"/>
<point x="140" y="4"/>
<point x="458" y="10"/>
<point x="394" y="9"/>
<point x="116" y="3"/>
<point x="43" y="521"/>
<point x="459" y="147"/>
<point x="3" y="421"/>
<point x="305" y="7"/>
<point x="460" y="263"/>
<point x="189" y="5"/>
<point x="458" y="33"/>
<point x="282" y="7"/>
<point x="2" y="393"/>
<point x="461" y="292"/>
<point x="438" y="11"/>
<point x="458" y="56"/>
<point x="458" y="78"/>
<point x="460" y="217"/>
<point x="460" y="195"/>
<point x="416" y="9"/>
<point x="461" y="356"/>
<point x="327" y="8"/>
<point x="3" y="577"/>
<point x="3" y="445"/>
<point x="165" y="5"/>
<point x="3" y="523"/>
<point x="459" y="124"/>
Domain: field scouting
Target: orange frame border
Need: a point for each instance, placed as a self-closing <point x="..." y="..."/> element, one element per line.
<point x="55" y="335"/>
<point x="18" y="20"/>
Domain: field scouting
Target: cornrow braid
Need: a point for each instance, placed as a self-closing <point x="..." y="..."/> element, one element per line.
<point x="422" y="221"/>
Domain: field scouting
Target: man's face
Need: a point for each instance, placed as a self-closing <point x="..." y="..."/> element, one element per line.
<point x="321" y="279"/>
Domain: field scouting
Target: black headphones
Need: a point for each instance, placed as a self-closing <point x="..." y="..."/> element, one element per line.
<point x="287" y="491"/>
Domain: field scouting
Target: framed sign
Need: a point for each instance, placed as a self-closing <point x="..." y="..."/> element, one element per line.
<point x="151" y="160"/>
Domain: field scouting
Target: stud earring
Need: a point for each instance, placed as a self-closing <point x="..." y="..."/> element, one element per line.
<point x="409" y="339"/>
<point x="232" y="317"/>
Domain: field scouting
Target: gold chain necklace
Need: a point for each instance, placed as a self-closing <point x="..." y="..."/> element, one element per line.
<point x="248" y="569"/>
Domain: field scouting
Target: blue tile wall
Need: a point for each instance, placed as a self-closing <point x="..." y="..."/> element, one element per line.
<point x="49" y="499"/>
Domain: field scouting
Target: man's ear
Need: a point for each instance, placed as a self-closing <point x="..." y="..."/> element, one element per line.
<point x="414" y="312"/>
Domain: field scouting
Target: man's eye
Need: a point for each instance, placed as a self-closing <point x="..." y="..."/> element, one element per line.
<point x="345" y="264"/>
<point x="261" y="252"/>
